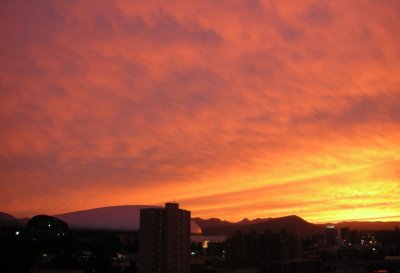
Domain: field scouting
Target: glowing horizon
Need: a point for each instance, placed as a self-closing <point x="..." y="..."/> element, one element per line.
<point x="238" y="109"/>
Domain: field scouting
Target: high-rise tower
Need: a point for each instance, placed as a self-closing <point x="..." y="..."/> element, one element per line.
<point x="164" y="240"/>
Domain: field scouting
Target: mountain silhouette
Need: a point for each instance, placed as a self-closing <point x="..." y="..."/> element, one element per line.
<point x="292" y="224"/>
<point x="8" y="220"/>
<point x="215" y="222"/>
<point x="127" y="218"/>
<point x="107" y="218"/>
<point x="212" y="222"/>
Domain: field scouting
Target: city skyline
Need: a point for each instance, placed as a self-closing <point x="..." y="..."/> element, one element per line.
<point x="234" y="109"/>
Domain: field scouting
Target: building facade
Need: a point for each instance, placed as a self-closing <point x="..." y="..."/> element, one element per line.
<point x="164" y="240"/>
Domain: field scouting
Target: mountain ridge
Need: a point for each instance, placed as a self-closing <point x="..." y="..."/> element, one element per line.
<point x="119" y="217"/>
<point x="292" y="224"/>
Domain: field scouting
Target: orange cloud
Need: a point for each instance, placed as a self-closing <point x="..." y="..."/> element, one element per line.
<point x="244" y="109"/>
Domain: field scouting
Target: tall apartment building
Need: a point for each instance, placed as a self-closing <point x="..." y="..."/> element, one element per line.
<point x="164" y="240"/>
<point x="331" y="235"/>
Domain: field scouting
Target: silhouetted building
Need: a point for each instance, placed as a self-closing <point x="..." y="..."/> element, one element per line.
<point x="164" y="240"/>
<point x="388" y="237"/>
<point x="344" y="235"/>
<point x="207" y="245"/>
<point x="252" y="249"/>
<point x="355" y="237"/>
<point x="331" y="235"/>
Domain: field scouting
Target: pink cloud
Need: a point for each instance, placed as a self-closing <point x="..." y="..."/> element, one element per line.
<point x="190" y="100"/>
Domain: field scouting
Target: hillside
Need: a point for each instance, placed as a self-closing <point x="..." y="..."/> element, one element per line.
<point x="109" y="218"/>
<point x="8" y="220"/>
<point x="292" y="224"/>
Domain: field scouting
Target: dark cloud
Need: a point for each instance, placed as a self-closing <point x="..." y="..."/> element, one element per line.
<point x="319" y="14"/>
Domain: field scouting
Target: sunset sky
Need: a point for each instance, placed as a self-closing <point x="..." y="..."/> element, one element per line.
<point x="232" y="108"/>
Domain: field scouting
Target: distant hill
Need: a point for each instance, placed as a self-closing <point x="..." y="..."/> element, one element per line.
<point x="8" y="220"/>
<point x="107" y="218"/>
<point x="127" y="218"/>
<point x="212" y="222"/>
<point x="292" y="224"/>
<point x="215" y="222"/>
